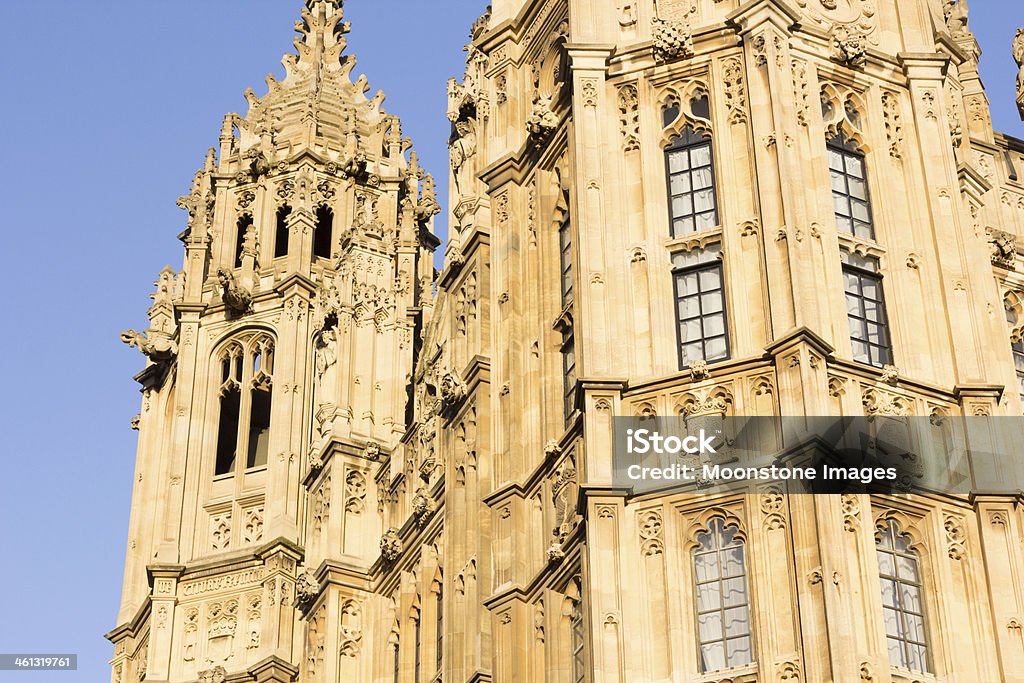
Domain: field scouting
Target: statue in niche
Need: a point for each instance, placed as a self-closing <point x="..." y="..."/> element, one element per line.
<point x="463" y="148"/>
<point x="326" y="359"/>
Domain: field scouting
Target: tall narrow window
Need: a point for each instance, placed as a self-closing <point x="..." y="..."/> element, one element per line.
<point x="439" y="625"/>
<point x="850" y="189"/>
<point x="565" y="260"/>
<point x="244" y="223"/>
<point x="322" y="234"/>
<point x="578" y="642"/>
<point x="246" y="396"/>
<point x="230" y="395"/>
<point x="281" y="232"/>
<point x="568" y="375"/>
<point x="723" y="605"/>
<point x="693" y="204"/>
<point x="700" y="306"/>
<point x="397" y="663"/>
<point x="902" y="603"/>
<point x="865" y="307"/>
<point x="1018" y="362"/>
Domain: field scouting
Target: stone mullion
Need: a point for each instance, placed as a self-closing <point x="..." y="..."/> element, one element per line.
<point x="604" y="579"/>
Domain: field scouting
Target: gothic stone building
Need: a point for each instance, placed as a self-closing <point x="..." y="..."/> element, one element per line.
<point x="353" y="468"/>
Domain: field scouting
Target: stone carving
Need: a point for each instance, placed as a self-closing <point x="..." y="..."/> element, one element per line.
<point x="391" y="545"/>
<point x="955" y="12"/>
<point x="542" y="121"/>
<point x="1004" y="247"/>
<point x="235" y="297"/>
<point x="253" y="525"/>
<point x="851" y="511"/>
<point x="956" y="537"/>
<point x="351" y="629"/>
<point x="629" y="117"/>
<point x="651" y="540"/>
<point x="800" y="94"/>
<point x="893" y="123"/>
<point x="158" y="349"/>
<point x="255" y="609"/>
<point x="453" y="391"/>
<point x="773" y="504"/>
<point x="673" y="37"/>
<point x="735" y="90"/>
<point x="307" y="588"/>
<point x="564" y="490"/>
<point x="1018" y="56"/>
<point x="698" y="370"/>
<point x="222" y="623"/>
<point x="890" y="375"/>
<point x="220" y="531"/>
<point x="422" y="506"/>
<point x="216" y="675"/>
<point x="849" y="46"/>
<point x="191" y="635"/>
<point x="355" y="493"/>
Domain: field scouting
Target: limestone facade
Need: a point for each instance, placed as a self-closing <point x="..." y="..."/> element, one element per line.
<point x="351" y="468"/>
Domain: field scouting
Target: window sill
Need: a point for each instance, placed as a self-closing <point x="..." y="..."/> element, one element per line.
<point x="694" y="240"/>
<point x="738" y="674"/>
<point x="901" y="675"/>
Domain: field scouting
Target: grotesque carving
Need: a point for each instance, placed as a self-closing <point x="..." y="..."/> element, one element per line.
<point x="422" y="505"/>
<point x="453" y="390"/>
<point x="564" y="491"/>
<point x="307" y="588"/>
<point x="849" y="46"/>
<point x="1004" y="247"/>
<point x="216" y="675"/>
<point x="542" y="121"/>
<point x="235" y="297"/>
<point x="390" y="545"/>
<point x="158" y="349"/>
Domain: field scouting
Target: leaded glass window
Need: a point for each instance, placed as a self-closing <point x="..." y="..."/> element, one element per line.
<point x="902" y="600"/>
<point x="693" y="204"/>
<point x="565" y="260"/>
<point x="865" y="308"/>
<point x="700" y="307"/>
<point x="723" y="604"/>
<point x="578" y="632"/>
<point x="568" y="375"/>
<point x="850" y="189"/>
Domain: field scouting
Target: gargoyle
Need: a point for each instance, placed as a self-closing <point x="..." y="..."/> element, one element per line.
<point x="236" y="297"/>
<point x="158" y="349"/>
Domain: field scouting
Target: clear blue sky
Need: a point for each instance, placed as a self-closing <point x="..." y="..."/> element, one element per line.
<point x="110" y="109"/>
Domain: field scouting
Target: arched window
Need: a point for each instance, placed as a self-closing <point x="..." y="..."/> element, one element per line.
<point x="281" y="232"/>
<point x="322" y="234"/>
<point x="245" y="395"/>
<point x="244" y="223"/>
<point x="439" y="627"/>
<point x="902" y="601"/>
<point x="693" y="203"/>
<point x="723" y="602"/>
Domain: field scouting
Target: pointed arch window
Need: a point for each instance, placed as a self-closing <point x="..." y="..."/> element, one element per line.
<point x="701" y="313"/>
<point x="724" y="632"/>
<point x="245" y="398"/>
<point x="281" y="231"/>
<point x="323" y="232"/>
<point x="850" y="196"/>
<point x="899" y="571"/>
<point x="690" y="167"/>
<point x="244" y="223"/>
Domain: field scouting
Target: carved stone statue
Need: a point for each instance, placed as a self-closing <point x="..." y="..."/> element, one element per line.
<point x="462" y="149"/>
<point x="955" y="12"/>
<point x="158" y="349"/>
<point x="1018" y="56"/>
<point x="326" y="359"/>
<point x="237" y="298"/>
<point x="307" y="588"/>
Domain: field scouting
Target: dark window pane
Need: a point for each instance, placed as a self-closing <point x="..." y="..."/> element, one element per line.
<point x="322" y="233"/>
<point x="259" y="429"/>
<point x="227" y="431"/>
<point x="281" y="232"/>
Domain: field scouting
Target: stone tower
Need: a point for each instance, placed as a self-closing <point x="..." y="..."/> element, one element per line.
<point x="695" y="208"/>
<point x="278" y="361"/>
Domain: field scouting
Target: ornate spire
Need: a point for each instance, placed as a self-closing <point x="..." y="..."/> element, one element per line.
<point x="1018" y="56"/>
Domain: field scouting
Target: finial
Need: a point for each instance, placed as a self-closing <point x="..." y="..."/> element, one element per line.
<point x="1018" y="56"/>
